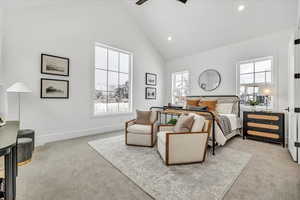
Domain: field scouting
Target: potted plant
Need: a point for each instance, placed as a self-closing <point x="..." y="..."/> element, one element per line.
<point x="172" y="121"/>
<point x="253" y="103"/>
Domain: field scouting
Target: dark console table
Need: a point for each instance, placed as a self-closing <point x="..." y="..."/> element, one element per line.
<point x="8" y="149"/>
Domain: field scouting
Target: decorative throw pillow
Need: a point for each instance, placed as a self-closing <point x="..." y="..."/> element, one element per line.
<point x="211" y="105"/>
<point x="143" y="117"/>
<point x="197" y="108"/>
<point x="184" y="124"/>
<point x="192" y="102"/>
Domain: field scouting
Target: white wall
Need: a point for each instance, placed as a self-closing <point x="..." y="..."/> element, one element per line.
<point x="224" y="59"/>
<point x="70" y="30"/>
<point x="2" y="103"/>
<point x="298" y="13"/>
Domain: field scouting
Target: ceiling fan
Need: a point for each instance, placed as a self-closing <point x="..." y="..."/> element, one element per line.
<point x="140" y="2"/>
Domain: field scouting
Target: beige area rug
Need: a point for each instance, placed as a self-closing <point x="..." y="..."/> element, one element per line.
<point x="207" y="181"/>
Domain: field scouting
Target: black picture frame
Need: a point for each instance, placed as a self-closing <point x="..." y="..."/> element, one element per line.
<point x="58" y="97"/>
<point x="147" y="93"/>
<point x="148" y="76"/>
<point x="57" y="57"/>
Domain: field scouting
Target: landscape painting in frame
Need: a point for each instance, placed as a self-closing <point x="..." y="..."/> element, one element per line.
<point x="54" y="89"/>
<point x="54" y="65"/>
<point x="150" y="93"/>
<point x="151" y="79"/>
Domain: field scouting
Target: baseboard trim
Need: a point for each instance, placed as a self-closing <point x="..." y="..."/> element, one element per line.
<point x="54" y="137"/>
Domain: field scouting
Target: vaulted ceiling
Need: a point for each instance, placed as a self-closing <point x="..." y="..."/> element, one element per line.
<point x="200" y="25"/>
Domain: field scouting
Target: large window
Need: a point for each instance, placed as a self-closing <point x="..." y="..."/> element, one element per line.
<point x="112" y="80"/>
<point x="180" y="87"/>
<point x="255" y="77"/>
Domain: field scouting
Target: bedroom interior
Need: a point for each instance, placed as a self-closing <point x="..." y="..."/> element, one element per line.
<point x="101" y="99"/>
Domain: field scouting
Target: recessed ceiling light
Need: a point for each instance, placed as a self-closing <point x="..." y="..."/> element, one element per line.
<point x="169" y="38"/>
<point x="241" y="7"/>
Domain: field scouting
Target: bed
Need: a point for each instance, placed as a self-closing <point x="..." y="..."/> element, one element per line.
<point x="226" y="118"/>
<point x="228" y="122"/>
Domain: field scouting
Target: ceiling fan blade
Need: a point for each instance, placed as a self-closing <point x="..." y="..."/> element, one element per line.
<point x="183" y="1"/>
<point x="140" y="2"/>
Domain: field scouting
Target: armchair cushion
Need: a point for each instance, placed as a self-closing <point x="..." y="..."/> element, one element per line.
<point x="153" y="117"/>
<point x="143" y="117"/>
<point x="184" y="123"/>
<point x="199" y="122"/>
<point x="140" y="129"/>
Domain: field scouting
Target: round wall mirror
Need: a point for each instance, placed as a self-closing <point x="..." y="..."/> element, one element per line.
<point x="209" y="80"/>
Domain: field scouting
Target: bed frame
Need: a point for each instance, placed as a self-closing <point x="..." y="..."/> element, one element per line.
<point x="237" y="98"/>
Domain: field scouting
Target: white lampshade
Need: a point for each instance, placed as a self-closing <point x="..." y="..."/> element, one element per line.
<point x="266" y="90"/>
<point x="19" y="88"/>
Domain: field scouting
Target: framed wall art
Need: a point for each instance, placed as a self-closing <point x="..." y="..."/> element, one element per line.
<point x="54" y="65"/>
<point x="151" y="79"/>
<point x="54" y="89"/>
<point x="150" y="93"/>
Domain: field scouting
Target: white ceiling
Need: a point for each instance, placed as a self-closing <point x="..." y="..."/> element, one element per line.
<point x="200" y="25"/>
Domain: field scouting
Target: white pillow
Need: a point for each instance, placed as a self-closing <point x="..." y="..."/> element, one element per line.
<point x="224" y="108"/>
<point x="199" y="122"/>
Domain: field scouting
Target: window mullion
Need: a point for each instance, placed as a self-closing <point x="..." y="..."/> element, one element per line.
<point x="119" y="85"/>
<point x="254" y="80"/>
<point x="107" y="64"/>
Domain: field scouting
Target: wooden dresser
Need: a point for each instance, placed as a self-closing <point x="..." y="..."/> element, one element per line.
<point x="264" y="126"/>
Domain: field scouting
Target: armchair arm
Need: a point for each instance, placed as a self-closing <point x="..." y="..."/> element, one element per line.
<point x="177" y="143"/>
<point x="129" y="123"/>
<point x="165" y="127"/>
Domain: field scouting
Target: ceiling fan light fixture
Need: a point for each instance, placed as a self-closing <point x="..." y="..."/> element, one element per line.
<point x="140" y="2"/>
<point x="241" y="7"/>
<point x="170" y="38"/>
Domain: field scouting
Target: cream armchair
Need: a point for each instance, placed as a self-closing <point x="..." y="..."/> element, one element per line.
<point x="184" y="148"/>
<point x="142" y="135"/>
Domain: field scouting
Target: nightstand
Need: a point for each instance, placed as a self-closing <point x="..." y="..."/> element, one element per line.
<point x="264" y="126"/>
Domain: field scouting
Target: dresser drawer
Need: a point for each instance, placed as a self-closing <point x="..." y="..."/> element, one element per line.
<point x="264" y="126"/>
<point x="263" y="134"/>
<point x="263" y="117"/>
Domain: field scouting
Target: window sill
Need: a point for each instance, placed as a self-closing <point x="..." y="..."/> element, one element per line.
<point x="111" y="114"/>
<point x="256" y="108"/>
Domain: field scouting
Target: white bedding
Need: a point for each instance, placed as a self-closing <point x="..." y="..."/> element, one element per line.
<point x="235" y="121"/>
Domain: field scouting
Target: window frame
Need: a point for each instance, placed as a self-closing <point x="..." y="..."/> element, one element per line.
<point x="273" y="80"/>
<point x="172" y="82"/>
<point x="130" y="78"/>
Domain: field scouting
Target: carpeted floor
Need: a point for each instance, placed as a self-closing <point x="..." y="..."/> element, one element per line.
<point x="72" y="170"/>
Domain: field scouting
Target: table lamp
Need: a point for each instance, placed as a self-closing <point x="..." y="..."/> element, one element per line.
<point x="18" y="88"/>
<point x="267" y="92"/>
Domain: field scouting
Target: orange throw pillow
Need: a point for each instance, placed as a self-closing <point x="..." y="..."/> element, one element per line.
<point x="192" y="102"/>
<point x="211" y="105"/>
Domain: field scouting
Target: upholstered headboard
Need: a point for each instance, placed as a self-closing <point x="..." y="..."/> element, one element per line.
<point x="221" y="99"/>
